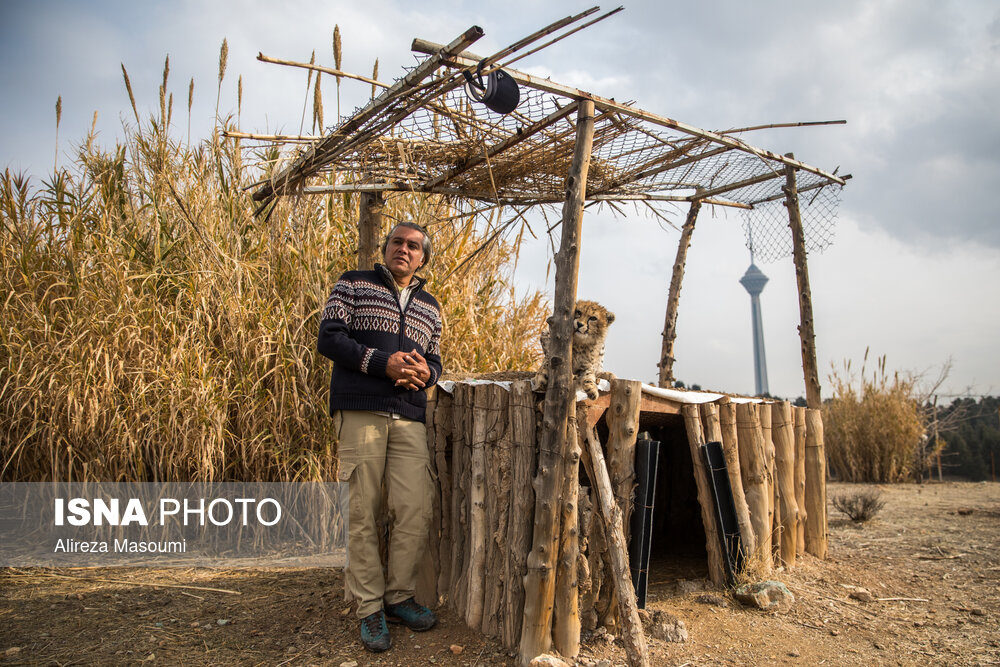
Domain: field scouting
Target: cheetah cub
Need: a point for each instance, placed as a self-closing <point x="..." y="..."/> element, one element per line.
<point x="590" y="329"/>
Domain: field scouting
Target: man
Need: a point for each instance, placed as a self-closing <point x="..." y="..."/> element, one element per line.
<point x="383" y="332"/>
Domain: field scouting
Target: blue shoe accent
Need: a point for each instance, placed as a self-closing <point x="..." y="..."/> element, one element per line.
<point x="414" y="616"/>
<point x="375" y="633"/>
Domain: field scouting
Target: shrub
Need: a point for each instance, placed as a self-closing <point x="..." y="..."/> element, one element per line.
<point x="860" y="506"/>
<point x="872" y="431"/>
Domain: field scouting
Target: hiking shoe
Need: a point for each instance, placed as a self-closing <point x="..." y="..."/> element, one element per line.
<point x="375" y="633"/>
<point x="412" y="615"/>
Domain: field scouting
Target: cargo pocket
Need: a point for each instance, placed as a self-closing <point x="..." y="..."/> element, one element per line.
<point x="346" y="453"/>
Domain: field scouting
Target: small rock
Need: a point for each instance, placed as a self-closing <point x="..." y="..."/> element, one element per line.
<point x="878" y="646"/>
<point x="667" y="627"/>
<point x="456" y="649"/>
<point x="834" y="632"/>
<point x="547" y="660"/>
<point x="345" y="611"/>
<point x="965" y="511"/>
<point x="713" y="599"/>
<point x="794" y="654"/>
<point x="149" y="658"/>
<point x="349" y="663"/>
<point x="12" y="651"/>
<point x="222" y="621"/>
<point x="690" y="586"/>
<point x="862" y="595"/>
<point x="767" y="595"/>
<point x="603" y="663"/>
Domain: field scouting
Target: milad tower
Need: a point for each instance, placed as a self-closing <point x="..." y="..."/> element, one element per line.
<point x="753" y="281"/>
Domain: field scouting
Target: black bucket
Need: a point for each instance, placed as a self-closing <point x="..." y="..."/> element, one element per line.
<point x="500" y="92"/>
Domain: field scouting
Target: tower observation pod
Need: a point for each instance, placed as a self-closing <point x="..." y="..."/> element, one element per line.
<point x="754" y="281"/>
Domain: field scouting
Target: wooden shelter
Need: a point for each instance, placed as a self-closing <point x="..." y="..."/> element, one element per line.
<point x="422" y="134"/>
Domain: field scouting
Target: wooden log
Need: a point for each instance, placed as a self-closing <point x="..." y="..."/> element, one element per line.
<point x="750" y="440"/>
<point x="593" y="607"/>
<point x="426" y="591"/>
<point x="807" y="334"/>
<point x="560" y="399"/>
<point x="816" y="526"/>
<point x="724" y="414"/>
<point x="477" y="509"/>
<point x="764" y="410"/>
<point x="628" y="613"/>
<point x="522" y="504"/>
<point x="623" y="426"/>
<point x="666" y="378"/>
<point x="460" y="494"/>
<point x="369" y="230"/>
<point x="799" y="418"/>
<point x="498" y="485"/>
<point x="783" y="432"/>
<point x="566" y="613"/>
<point x="696" y="438"/>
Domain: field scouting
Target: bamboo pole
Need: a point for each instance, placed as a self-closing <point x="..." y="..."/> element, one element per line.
<point x="696" y="438"/>
<point x="807" y="334"/>
<point x="522" y="426"/>
<point x="369" y="229"/>
<point x="725" y="415"/>
<point x="666" y="364"/>
<point x="566" y="612"/>
<point x="783" y="432"/>
<point x="477" y="506"/>
<point x="559" y="402"/>
<point x="800" y="477"/>
<point x="754" y="473"/>
<point x="816" y="526"/>
<point x="628" y="613"/>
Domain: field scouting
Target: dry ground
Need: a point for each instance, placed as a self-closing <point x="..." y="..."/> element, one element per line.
<point x="930" y="558"/>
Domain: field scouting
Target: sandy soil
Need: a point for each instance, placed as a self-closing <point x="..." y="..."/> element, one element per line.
<point x="930" y="559"/>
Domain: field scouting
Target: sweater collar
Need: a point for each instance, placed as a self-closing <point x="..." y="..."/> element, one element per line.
<point x="416" y="282"/>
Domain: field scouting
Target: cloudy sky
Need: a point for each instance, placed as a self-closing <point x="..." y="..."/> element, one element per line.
<point x="915" y="266"/>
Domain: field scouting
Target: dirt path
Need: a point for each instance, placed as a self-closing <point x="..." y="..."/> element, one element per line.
<point x="936" y="546"/>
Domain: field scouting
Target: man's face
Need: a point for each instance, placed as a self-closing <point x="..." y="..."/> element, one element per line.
<point x="404" y="253"/>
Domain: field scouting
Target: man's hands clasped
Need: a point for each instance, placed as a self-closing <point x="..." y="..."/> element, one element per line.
<point x="408" y="369"/>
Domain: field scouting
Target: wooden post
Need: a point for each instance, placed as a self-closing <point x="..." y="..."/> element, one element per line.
<point x="783" y="433"/>
<point x="460" y="497"/>
<point x="477" y="504"/>
<point x="566" y="614"/>
<point x="522" y="506"/>
<point x="751" y="446"/>
<point x="628" y="613"/>
<point x="560" y="399"/>
<point x="726" y="419"/>
<point x="764" y="411"/>
<point x="807" y="334"/>
<point x="696" y="438"/>
<point x="498" y="500"/>
<point x="666" y="364"/>
<point x="369" y="230"/>
<point x="800" y="477"/>
<point x="816" y="526"/>
<point x="426" y="592"/>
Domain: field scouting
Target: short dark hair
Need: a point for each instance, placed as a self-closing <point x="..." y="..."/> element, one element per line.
<point x="427" y="247"/>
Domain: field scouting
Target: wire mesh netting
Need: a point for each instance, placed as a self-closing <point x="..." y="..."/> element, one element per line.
<point x="766" y="229"/>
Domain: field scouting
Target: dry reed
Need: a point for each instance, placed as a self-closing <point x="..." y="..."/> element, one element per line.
<point x="873" y="426"/>
<point x="154" y="330"/>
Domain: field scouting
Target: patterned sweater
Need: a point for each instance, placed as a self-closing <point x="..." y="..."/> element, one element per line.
<point x="362" y="326"/>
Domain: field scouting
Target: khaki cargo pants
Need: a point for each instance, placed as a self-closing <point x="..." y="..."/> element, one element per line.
<point x="372" y="446"/>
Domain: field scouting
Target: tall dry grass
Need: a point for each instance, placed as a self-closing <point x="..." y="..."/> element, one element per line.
<point x="153" y="329"/>
<point x="873" y="425"/>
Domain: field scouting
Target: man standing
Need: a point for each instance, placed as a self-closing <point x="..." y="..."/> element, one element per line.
<point x="383" y="332"/>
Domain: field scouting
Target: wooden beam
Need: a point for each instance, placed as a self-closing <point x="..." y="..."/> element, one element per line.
<point x="816" y="526"/>
<point x="560" y="398"/>
<point x="807" y="334"/>
<point x="696" y="438"/>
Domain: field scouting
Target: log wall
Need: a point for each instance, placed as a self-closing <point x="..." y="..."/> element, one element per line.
<point x="484" y="449"/>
